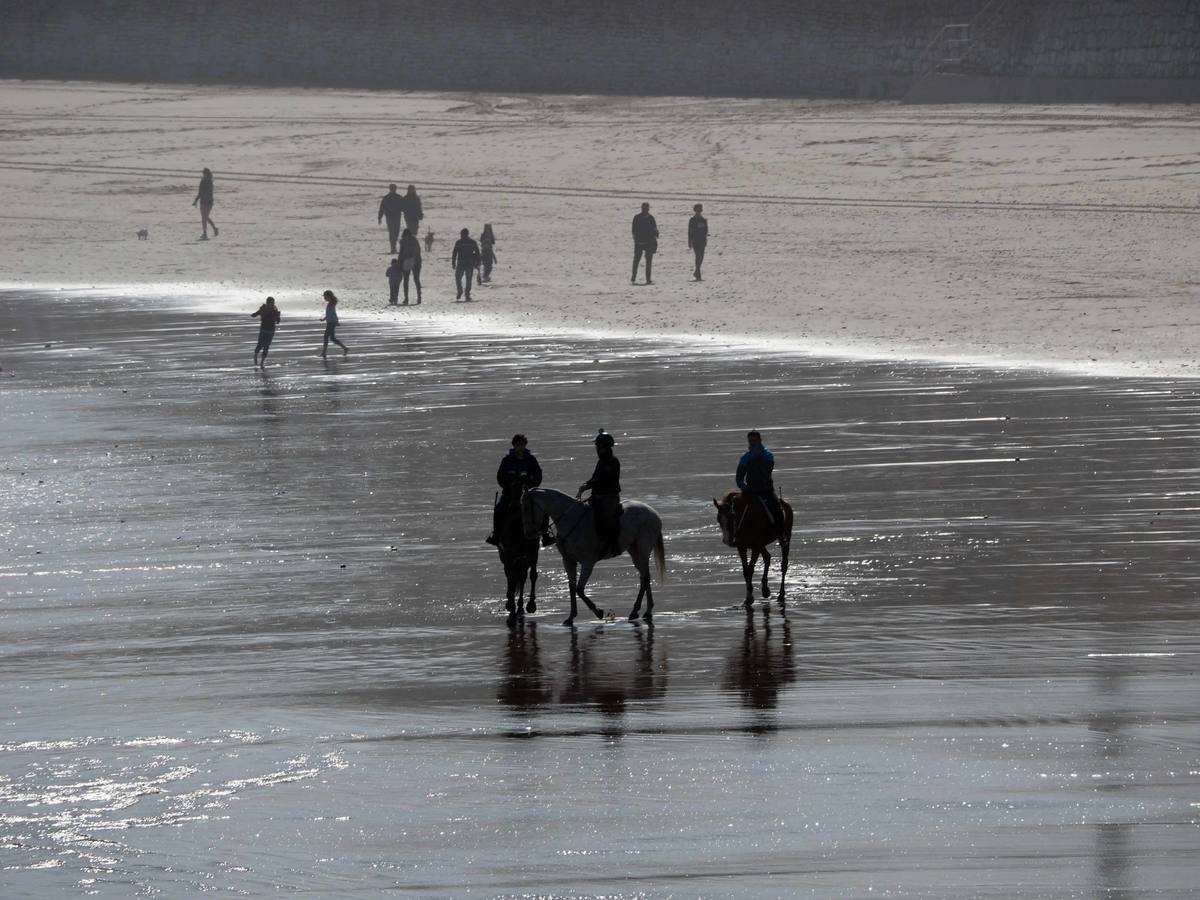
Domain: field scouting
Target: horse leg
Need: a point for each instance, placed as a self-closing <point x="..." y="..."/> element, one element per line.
<point x="754" y="553"/>
<point x="766" y="590"/>
<point x="509" y="603"/>
<point x="748" y="574"/>
<point x="572" y="575"/>
<point x="784" y="547"/>
<point x="531" y="606"/>
<point x="585" y="572"/>
<point x="641" y="559"/>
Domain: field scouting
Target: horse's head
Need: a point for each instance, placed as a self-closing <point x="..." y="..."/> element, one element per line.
<point x="725" y="519"/>
<point x="533" y="517"/>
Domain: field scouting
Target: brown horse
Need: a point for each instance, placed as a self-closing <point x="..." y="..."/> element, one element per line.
<point x="519" y="555"/>
<point x="746" y="525"/>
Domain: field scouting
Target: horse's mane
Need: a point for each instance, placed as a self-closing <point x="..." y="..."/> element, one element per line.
<point x="727" y="498"/>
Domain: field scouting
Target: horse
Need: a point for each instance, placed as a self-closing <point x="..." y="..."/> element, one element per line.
<point x="581" y="547"/>
<point x="746" y="525"/>
<point x="518" y="555"/>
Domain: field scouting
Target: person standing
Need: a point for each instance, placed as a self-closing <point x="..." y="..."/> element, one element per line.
<point x="391" y="207"/>
<point x="645" y="240"/>
<point x="698" y="237"/>
<point x="463" y="260"/>
<point x="487" y="245"/>
<point x="394" y="276"/>
<point x="410" y="262"/>
<point x="268" y="316"/>
<point x="204" y="197"/>
<point x="413" y="214"/>
<point x="605" y="499"/>
<point x="331" y="322"/>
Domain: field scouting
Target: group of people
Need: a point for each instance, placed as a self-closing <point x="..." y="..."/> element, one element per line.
<point x="269" y="317"/>
<point x="519" y="471"/>
<point x="645" y="241"/>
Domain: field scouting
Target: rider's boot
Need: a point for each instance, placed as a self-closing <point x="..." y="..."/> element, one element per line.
<point x="548" y="540"/>
<point x="491" y="539"/>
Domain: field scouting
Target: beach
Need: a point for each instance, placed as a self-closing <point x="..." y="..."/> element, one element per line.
<point x="1048" y="237"/>
<point x="254" y="640"/>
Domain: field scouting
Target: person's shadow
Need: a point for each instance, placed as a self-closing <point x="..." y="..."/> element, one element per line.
<point x="761" y="667"/>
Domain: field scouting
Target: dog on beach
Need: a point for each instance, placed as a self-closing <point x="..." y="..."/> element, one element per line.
<point x="428" y="240"/>
<point x="143" y="234"/>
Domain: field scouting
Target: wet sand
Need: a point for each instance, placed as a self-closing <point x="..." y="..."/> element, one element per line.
<point x="253" y="640"/>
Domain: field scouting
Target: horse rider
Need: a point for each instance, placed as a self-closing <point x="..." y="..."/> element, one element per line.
<point x="519" y="470"/>
<point x="754" y="471"/>
<point x="605" y="499"/>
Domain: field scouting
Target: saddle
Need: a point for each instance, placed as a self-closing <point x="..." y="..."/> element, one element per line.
<point x="740" y="511"/>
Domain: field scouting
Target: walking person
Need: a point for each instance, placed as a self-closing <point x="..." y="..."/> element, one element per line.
<point x="410" y="262"/>
<point x="391" y="207"/>
<point x="394" y="276"/>
<point x="645" y="240"/>
<point x="331" y="322"/>
<point x="268" y="316"/>
<point x="698" y="237"/>
<point x="487" y="248"/>
<point x="413" y="213"/>
<point x="204" y="196"/>
<point x="464" y="261"/>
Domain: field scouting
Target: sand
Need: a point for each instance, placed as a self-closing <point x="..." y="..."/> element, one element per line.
<point x="1016" y="236"/>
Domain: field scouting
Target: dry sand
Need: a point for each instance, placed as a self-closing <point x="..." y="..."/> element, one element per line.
<point x="1061" y="237"/>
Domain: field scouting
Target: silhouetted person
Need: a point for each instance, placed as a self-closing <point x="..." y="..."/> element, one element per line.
<point x="331" y="322"/>
<point x="755" y="478"/>
<point x="463" y="260"/>
<point x="394" y="276"/>
<point x="268" y="316"/>
<point x="391" y="207"/>
<point x="487" y="245"/>
<point x="204" y="197"/>
<point x="645" y="240"/>
<point x="413" y="214"/>
<point x="698" y="237"/>
<point x="410" y="262"/>
<point x="605" y="499"/>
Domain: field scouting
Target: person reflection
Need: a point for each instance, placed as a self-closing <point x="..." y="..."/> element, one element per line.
<point x="1109" y="727"/>
<point x="763" y="665"/>
<point x="610" y="688"/>
<point x="523" y="686"/>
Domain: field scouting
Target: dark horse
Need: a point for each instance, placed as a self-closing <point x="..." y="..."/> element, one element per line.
<point x="519" y="555"/>
<point x="746" y="525"/>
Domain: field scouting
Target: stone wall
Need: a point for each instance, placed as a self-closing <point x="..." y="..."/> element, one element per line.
<point x="842" y="48"/>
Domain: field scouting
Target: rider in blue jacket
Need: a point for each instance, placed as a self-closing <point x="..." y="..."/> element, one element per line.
<point x="754" y="475"/>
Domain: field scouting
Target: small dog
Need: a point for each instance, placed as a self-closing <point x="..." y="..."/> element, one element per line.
<point x="143" y="234"/>
<point x="428" y="240"/>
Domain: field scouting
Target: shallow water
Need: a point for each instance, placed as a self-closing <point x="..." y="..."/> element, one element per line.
<point x="252" y="639"/>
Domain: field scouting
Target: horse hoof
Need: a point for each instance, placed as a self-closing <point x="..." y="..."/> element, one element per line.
<point x="599" y="613"/>
<point x="633" y="616"/>
<point x="749" y="604"/>
<point x="530" y="607"/>
<point x="568" y="622"/>
<point x="510" y="606"/>
<point x="647" y="616"/>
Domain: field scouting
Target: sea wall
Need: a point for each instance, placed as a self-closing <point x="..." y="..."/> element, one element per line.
<point x="818" y="48"/>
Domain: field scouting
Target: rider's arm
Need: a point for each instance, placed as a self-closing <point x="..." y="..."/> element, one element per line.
<point x="740" y="477"/>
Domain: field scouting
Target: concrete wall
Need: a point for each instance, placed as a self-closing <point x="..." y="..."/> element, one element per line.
<point x="843" y="48"/>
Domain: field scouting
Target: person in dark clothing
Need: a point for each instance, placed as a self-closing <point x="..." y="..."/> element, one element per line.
<point x="645" y="240"/>
<point x="391" y="207"/>
<point x="698" y="237"/>
<point x="754" y="476"/>
<point x="268" y="317"/>
<point x="487" y="248"/>
<point x="410" y="262"/>
<point x="605" y="499"/>
<point x="463" y="260"/>
<point x="204" y="196"/>
<point x="394" y="276"/>
<point x="413" y="214"/>
<point x="519" y="471"/>
<point x="331" y="322"/>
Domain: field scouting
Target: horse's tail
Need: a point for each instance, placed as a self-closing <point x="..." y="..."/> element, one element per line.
<point x="660" y="558"/>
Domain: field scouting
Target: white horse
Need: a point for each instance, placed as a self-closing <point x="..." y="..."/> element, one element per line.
<point x="581" y="547"/>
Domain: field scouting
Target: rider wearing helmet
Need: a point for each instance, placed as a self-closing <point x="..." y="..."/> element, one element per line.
<point x="605" y="499"/>
<point x="519" y="470"/>
<point x="754" y="476"/>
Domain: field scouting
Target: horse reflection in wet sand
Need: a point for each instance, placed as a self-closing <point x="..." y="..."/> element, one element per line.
<point x="581" y="547"/>
<point x="746" y="525"/>
<point x="519" y="556"/>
